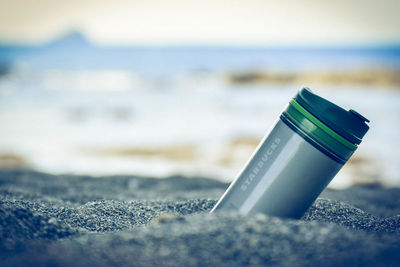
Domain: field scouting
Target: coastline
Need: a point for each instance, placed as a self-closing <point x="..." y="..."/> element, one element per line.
<point x="384" y="79"/>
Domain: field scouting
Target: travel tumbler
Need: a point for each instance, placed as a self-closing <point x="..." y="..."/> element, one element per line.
<point x="296" y="160"/>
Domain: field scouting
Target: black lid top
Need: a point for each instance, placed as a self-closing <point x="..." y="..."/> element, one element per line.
<point x="349" y="124"/>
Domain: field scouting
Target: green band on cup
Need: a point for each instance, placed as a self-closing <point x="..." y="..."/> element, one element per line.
<point x="321" y="125"/>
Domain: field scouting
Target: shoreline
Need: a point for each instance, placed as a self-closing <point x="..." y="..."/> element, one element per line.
<point x="384" y="79"/>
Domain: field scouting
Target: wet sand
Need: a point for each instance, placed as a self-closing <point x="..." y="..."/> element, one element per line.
<point x="125" y="220"/>
<point x="377" y="78"/>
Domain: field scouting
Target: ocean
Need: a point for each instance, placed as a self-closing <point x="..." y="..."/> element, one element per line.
<point x="73" y="107"/>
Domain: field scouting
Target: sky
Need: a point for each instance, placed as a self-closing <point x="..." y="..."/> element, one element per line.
<point x="259" y="22"/>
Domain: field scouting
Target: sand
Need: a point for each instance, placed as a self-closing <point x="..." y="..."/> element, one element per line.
<point x="134" y="221"/>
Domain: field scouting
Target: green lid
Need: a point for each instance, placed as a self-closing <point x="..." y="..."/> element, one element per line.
<point x="348" y="124"/>
<point x="328" y="127"/>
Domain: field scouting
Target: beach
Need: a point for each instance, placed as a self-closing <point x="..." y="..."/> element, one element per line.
<point x="181" y="122"/>
<point x="123" y="123"/>
<point x="64" y="220"/>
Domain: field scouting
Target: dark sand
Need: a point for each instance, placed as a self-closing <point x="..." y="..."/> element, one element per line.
<point x="81" y="221"/>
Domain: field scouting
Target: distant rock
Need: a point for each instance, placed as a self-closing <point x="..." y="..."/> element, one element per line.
<point x="73" y="39"/>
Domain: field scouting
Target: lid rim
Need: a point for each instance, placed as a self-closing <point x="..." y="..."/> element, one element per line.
<point x="322" y="125"/>
<point x="349" y="124"/>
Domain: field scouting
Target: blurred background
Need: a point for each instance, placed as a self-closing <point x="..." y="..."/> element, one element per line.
<point x="162" y="87"/>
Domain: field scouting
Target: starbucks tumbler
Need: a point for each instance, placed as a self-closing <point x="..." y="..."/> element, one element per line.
<point x="296" y="160"/>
